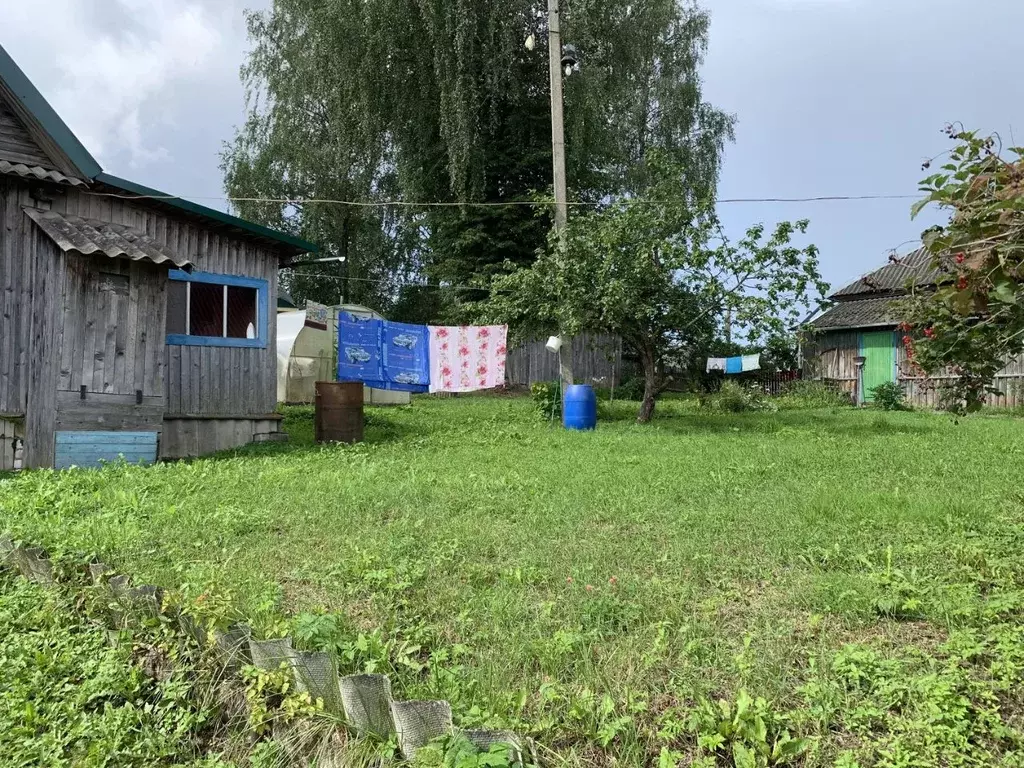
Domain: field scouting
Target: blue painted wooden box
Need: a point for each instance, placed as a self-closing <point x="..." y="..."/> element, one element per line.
<point x="92" y="449"/>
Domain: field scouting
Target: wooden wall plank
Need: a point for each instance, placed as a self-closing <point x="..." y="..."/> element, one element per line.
<point x="121" y="381"/>
<point x="12" y="394"/>
<point x="78" y="268"/>
<point x="111" y="412"/>
<point x="16" y="143"/>
<point x="173" y="384"/>
<point x="195" y="389"/>
<point x="70" y="322"/>
<point x="92" y="332"/>
<point x="103" y="378"/>
<point x="49" y="268"/>
<point x="11" y="433"/>
<point x="134" y="315"/>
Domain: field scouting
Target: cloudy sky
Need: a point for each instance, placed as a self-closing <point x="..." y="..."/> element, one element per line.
<point x="834" y="97"/>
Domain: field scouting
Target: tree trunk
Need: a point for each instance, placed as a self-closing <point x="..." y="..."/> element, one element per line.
<point x="651" y="388"/>
<point x="565" y="364"/>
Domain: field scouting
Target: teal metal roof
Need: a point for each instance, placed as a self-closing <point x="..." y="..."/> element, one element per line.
<point x="32" y="102"/>
<point x="211" y="213"/>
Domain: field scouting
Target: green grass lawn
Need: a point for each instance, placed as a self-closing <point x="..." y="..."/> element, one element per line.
<point x="861" y="571"/>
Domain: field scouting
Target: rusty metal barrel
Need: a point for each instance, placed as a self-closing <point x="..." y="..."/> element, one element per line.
<point x="339" y="412"/>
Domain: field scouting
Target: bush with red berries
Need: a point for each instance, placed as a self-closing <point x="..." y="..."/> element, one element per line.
<point x="961" y="331"/>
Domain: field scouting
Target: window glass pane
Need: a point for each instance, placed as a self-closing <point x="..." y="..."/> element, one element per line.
<point x="241" y="313"/>
<point x="177" y="292"/>
<point x="207" y="310"/>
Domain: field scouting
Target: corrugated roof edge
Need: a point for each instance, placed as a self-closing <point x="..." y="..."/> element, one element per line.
<point x="33" y="101"/>
<point x="212" y="213"/>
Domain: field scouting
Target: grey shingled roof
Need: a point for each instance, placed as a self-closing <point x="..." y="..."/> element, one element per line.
<point x="71" y="233"/>
<point x="893" y="279"/>
<point x="38" y="172"/>
<point x="870" y="301"/>
<point x="862" y="313"/>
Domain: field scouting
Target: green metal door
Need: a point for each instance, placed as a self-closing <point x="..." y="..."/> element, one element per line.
<point x="879" y="351"/>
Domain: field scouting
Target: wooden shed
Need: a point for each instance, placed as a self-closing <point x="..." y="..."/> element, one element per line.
<point x="861" y="322"/>
<point x="132" y="323"/>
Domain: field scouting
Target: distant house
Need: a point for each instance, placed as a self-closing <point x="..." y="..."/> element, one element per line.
<point x="131" y="323"/>
<point x="861" y="322"/>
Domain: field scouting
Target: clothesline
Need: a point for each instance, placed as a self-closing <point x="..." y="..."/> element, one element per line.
<point x="734" y="365"/>
<point x="419" y="358"/>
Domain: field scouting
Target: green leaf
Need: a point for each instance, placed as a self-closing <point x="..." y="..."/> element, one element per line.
<point x="743" y="756"/>
<point x="786" y="749"/>
<point x="743" y="702"/>
<point x="919" y="206"/>
<point x="1006" y="291"/>
<point x="668" y="759"/>
<point x="726" y="710"/>
<point x="760" y="729"/>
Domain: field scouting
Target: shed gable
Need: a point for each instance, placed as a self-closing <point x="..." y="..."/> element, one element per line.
<point x="16" y="143"/>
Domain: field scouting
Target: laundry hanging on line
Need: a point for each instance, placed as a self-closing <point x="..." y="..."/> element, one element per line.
<point x="420" y="358"/>
<point x="734" y="365"/>
<point x="467" y="358"/>
<point x="382" y="354"/>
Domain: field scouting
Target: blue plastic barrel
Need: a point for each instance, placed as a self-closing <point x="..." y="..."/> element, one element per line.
<point x="579" y="407"/>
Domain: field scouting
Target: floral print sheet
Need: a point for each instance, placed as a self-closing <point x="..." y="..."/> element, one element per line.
<point x="467" y="358"/>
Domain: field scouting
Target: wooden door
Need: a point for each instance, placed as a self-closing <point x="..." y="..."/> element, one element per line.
<point x="112" y="346"/>
<point x="879" y="351"/>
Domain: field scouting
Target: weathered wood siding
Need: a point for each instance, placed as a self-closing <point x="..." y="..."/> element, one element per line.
<point x="927" y="392"/>
<point x="198" y="381"/>
<point x="68" y="321"/>
<point x="32" y="272"/>
<point x="16" y="144"/>
<point x="198" y="437"/>
<point x="114" y="323"/>
<point x="15" y="301"/>
<point x="596" y="360"/>
<point x="224" y="381"/>
<point x="830" y="357"/>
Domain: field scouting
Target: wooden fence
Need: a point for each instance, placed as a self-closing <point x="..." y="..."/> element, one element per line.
<point x="596" y="360"/>
<point x="770" y="382"/>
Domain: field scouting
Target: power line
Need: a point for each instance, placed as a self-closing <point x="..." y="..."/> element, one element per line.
<point x="506" y="204"/>
<point x="398" y="283"/>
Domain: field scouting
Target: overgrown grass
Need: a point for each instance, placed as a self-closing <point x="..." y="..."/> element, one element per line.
<point x="850" y="582"/>
<point x="69" y="698"/>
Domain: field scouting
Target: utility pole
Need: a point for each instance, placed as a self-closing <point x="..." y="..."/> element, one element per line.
<point x="558" y="152"/>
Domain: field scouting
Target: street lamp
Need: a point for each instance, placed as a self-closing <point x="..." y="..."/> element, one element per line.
<point x="570" y="59"/>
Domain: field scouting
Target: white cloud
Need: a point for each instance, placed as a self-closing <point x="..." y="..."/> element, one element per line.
<point x="109" y="67"/>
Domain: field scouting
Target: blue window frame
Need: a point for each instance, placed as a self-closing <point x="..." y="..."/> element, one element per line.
<point x="205" y="309"/>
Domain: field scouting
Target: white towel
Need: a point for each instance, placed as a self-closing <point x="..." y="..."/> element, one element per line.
<point x="716" y="364"/>
<point x="467" y="358"/>
<point x="751" y="363"/>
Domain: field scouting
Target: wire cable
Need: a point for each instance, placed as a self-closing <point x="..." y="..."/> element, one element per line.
<point x="505" y="204"/>
<point x="398" y="283"/>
